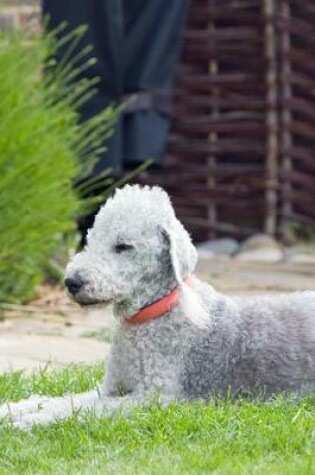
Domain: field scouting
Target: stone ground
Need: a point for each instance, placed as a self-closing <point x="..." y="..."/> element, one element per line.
<point x="54" y="332"/>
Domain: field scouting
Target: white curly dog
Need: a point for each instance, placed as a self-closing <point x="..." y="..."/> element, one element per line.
<point x="176" y="336"/>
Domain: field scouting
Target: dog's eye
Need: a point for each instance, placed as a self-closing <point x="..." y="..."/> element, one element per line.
<point x="119" y="248"/>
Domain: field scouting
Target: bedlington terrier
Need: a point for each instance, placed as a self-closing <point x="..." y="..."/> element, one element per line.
<point x="176" y="336"/>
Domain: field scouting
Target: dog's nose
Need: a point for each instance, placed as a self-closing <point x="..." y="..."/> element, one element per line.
<point x="74" y="284"/>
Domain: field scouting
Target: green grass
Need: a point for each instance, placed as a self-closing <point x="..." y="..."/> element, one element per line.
<point x="219" y="437"/>
<point x="44" y="150"/>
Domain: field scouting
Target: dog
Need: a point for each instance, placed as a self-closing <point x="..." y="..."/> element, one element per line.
<point x="176" y="336"/>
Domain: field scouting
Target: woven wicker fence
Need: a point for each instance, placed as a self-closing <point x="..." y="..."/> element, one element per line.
<point x="241" y="156"/>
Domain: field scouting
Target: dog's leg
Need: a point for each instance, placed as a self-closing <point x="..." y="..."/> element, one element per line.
<point x="12" y="410"/>
<point x="43" y="410"/>
<point x="56" y="409"/>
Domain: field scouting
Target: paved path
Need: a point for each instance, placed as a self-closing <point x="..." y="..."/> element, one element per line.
<point x="33" y="351"/>
<point x="234" y="277"/>
<point x="30" y="343"/>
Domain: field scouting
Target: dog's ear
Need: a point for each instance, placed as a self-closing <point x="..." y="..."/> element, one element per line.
<point x="182" y="252"/>
<point x="183" y="258"/>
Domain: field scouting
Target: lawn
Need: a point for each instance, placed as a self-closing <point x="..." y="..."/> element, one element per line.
<point x="220" y="437"/>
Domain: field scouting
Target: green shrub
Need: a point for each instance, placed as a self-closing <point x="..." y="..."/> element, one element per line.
<point x="43" y="148"/>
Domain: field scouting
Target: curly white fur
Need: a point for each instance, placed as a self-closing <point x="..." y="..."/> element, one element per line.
<point x="209" y="345"/>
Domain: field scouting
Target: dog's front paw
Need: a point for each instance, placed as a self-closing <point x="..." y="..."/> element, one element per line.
<point x="5" y="412"/>
<point x="27" y="421"/>
<point x="41" y="414"/>
<point x="14" y="410"/>
<point x="39" y="410"/>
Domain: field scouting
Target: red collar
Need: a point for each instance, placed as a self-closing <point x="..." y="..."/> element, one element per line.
<point x="162" y="306"/>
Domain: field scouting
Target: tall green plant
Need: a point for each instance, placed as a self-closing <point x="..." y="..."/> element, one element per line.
<point x="43" y="149"/>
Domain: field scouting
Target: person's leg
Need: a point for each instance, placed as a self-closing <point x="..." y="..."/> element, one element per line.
<point x="104" y="19"/>
<point x="153" y="40"/>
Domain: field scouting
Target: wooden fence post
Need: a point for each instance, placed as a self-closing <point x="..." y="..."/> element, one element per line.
<point x="272" y="145"/>
<point x="213" y="138"/>
<point x="286" y="135"/>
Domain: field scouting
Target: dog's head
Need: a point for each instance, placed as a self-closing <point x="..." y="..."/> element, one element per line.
<point x="136" y="249"/>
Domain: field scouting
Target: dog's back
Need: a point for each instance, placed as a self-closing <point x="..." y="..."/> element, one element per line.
<point x="257" y="346"/>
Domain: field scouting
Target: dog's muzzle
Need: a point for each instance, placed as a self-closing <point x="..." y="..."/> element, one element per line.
<point x="74" y="284"/>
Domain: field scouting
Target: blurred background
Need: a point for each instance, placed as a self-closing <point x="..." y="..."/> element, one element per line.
<point x="234" y="138"/>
